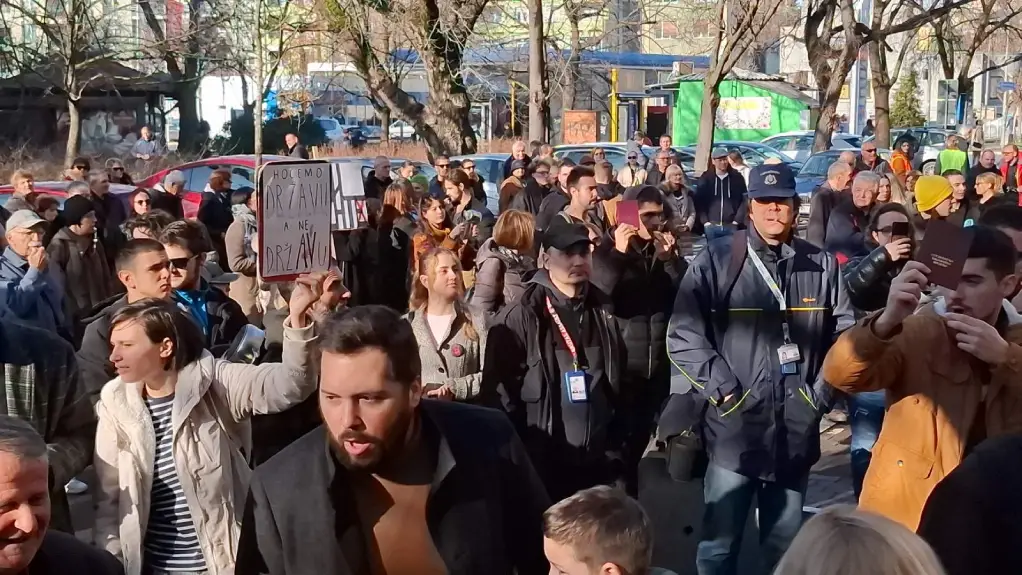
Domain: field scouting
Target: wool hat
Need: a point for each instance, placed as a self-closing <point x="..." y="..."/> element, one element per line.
<point x="76" y="208"/>
<point x="931" y="191"/>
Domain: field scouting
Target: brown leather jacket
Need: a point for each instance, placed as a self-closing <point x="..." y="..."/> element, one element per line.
<point x="933" y="394"/>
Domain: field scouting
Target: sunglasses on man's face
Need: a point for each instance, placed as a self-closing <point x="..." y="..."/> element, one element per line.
<point x="117" y="169"/>
<point x="81" y="167"/>
<point x="180" y="263"/>
<point x="442" y="166"/>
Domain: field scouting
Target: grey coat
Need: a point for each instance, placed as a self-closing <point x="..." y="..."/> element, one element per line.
<point x="456" y="361"/>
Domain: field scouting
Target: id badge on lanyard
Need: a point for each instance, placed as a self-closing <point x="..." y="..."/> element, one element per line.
<point x="788" y="355"/>
<point x="576" y="387"/>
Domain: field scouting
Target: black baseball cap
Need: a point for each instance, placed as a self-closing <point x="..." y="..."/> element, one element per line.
<point x="772" y="181"/>
<point x="562" y="234"/>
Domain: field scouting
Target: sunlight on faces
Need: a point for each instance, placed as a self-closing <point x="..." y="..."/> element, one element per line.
<point x="23" y="185"/>
<point x="187" y="275"/>
<point x="772" y="216"/>
<point x="443" y="280"/>
<point x="453" y="192"/>
<point x="21" y="239"/>
<point x="865" y="193"/>
<point x="148" y="275"/>
<point x="24" y="510"/>
<point x="884" y="191"/>
<point x="88" y="225"/>
<point x="583" y="193"/>
<point x="979" y="293"/>
<point x="651" y="219"/>
<point x="562" y="176"/>
<point x="957" y="186"/>
<point x="987" y="159"/>
<point x="571" y="266"/>
<point x="134" y="356"/>
<point x="434" y="213"/>
<point x="367" y="415"/>
<point x="563" y="561"/>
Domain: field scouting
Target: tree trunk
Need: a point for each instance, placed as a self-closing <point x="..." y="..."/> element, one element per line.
<point x="445" y="124"/>
<point x="74" y="131"/>
<point x="188" y="112"/>
<point x="572" y="67"/>
<point x="384" y="113"/>
<point x="537" y="73"/>
<point x="707" y="122"/>
<point x="882" y="121"/>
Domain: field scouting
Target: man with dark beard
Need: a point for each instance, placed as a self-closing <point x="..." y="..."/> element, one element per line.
<point x="392" y="483"/>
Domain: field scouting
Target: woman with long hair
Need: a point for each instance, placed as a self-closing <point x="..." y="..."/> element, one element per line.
<point x="434" y="230"/>
<point x="901" y="160"/>
<point x="504" y="261"/>
<point x="842" y="540"/>
<point x="399" y="207"/>
<point x="173" y="433"/>
<point x="140" y="200"/>
<point x="451" y="336"/>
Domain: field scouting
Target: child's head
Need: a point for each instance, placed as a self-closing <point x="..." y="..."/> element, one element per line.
<point x="598" y="531"/>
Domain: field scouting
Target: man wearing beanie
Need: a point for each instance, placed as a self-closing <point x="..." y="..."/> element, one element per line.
<point x="933" y="199"/>
<point x="80" y="260"/>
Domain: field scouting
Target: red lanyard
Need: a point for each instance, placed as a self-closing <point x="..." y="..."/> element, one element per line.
<point x="564" y="333"/>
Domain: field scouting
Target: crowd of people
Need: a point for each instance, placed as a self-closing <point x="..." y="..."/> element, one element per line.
<point x="457" y="371"/>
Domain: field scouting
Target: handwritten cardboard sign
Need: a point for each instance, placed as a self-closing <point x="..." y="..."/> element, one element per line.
<point x="294" y="219"/>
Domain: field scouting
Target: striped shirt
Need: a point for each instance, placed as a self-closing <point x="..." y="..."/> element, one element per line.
<point x="171" y="543"/>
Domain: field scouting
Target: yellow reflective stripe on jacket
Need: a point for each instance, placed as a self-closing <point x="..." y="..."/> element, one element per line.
<point x="728" y="412"/>
<point x="806" y="396"/>
<point x="799" y="309"/>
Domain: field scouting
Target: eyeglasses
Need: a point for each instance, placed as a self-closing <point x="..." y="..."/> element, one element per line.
<point x="869" y="150"/>
<point x="81" y="167"/>
<point x="469" y="167"/>
<point x="442" y="166"/>
<point x="543" y="173"/>
<point x="117" y="169"/>
<point x="633" y="157"/>
<point x="180" y="263"/>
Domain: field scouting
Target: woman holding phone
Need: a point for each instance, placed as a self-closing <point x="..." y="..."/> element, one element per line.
<point x="451" y="335"/>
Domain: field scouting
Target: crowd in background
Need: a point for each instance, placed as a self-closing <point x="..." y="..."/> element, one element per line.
<point x="579" y="314"/>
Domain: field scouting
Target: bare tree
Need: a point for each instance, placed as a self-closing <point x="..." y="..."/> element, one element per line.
<point x="885" y="72"/>
<point x="740" y="23"/>
<point x="438" y="32"/>
<point x="833" y="38"/>
<point x="539" y="107"/>
<point x="67" y="57"/>
<point x="962" y="33"/>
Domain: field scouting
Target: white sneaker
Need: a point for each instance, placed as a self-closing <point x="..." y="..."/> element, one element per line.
<point x="76" y="487"/>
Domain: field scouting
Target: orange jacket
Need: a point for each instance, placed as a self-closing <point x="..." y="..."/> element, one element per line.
<point x="933" y="395"/>
<point x="900" y="164"/>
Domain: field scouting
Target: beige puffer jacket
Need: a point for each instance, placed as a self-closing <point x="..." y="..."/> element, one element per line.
<point x="212" y="404"/>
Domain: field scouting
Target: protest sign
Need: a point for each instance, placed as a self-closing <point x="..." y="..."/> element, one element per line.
<point x="349" y="196"/>
<point x="294" y="219"/>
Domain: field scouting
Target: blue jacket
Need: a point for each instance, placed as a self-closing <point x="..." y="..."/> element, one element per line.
<point x="722" y="340"/>
<point x="35" y="297"/>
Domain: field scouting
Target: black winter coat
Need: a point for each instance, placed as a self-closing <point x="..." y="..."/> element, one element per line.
<point x="642" y="289"/>
<point x="723" y="341"/>
<point x="376" y="265"/>
<point x="215" y="213"/>
<point x="846" y="231"/>
<point x="375" y="187"/>
<point x="530" y="198"/>
<point x="869" y="278"/>
<point x="523" y="374"/>
<point x="484" y="512"/>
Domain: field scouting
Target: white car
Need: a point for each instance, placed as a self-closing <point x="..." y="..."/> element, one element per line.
<point x="798" y="145"/>
<point x="331" y="127"/>
<point x="400" y="130"/>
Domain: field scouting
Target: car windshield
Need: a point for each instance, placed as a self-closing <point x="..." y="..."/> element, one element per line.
<point x="817" y="166"/>
<point x="328" y="124"/>
<point x="770" y="153"/>
<point x="853" y="141"/>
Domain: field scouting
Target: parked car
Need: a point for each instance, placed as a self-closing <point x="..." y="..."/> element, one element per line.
<point x="58" y="190"/>
<point x="814" y="173"/>
<point x="490" y="168"/>
<point x="400" y="130"/>
<point x="617" y="154"/>
<point x="755" y="153"/>
<point x="331" y="128"/>
<point x="798" y="145"/>
<point x="197" y="174"/>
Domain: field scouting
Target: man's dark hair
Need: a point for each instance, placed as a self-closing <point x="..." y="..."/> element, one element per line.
<point x="134" y="248"/>
<point x="82" y="161"/>
<point x="649" y="195"/>
<point x="1003" y="216"/>
<point x="535" y="165"/>
<point x="439" y="157"/>
<point x="352" y="330"/>
<point x="153" y="221"/>
<point x="188" y="234"/>
<point x="951" y="173"/>
<point x="162" y="320"/>
<point x="995" y="247"/>
<point x="565" y="162"/>
<point x="887" y="208"/>
<point x="577" y="173"/>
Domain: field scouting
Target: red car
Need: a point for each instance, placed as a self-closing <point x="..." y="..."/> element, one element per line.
<point x="58" y="189"/>
<point x="197" y="174"/>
